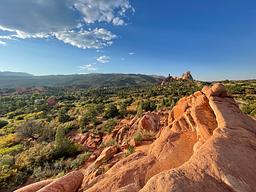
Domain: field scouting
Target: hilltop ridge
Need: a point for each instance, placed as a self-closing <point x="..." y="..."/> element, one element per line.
<point x="93" y="80"/>
<point x="14" y="74"/>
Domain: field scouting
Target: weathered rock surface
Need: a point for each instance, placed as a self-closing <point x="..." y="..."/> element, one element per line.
<point x="150" y="122"/>
<point x="105" y="155"/>
<point x="35" y="186"/>
<point x="88" y="140"/>
<point x="207" y="145"/>
<point x="124" y="132"/>
<point x="69" y="183"/>
<point x="226" y="160"/>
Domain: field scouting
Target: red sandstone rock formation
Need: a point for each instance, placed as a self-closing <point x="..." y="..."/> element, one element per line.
<point x="208" y="145"/>
<point x="187" y="76"/>
<point x="150" y="122"/>
<point x="35" y="186"/>
<point x="225" y="158"/>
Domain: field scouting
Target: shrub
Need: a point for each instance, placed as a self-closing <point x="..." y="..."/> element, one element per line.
<point x="88" y="117"/>
<point x="99" y="108"/>
<point x="130" y="150"/>
<point x="148" y="105"/>
<point x="111" y="111"/>
<point x="109" y="125"/>
<point x="70" y="126"/>
<point x="139" y="110"/>
<point x="48" y="170"/>
<point x="3" y="123"/>
<point x="11" y="150"/>
<point x="63" y="116"/>
<point x="249" y="108"/>
<point x="138" y="136"/>
<point x="47" y="134"/>
<point x="63" y="146"/>
<point x="6" y="141"/>
<point x="11" y="178"/>
<point x="123" y="109"/>
<point x="76" y="163"/>
<point x="31" y="129"/>
<point x="35" y="156"/>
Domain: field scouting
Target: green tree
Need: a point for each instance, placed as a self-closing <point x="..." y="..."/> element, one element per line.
<point x="148" y="105"/>
<point x="99" y="108"/>
<point x="3" y="123"/>
<point x="63" y="116"/>
<point x="63" y="146"/>
<point x="139" y="110"/>
<point x="111" y="111"/>
<point x="123" y="109"/>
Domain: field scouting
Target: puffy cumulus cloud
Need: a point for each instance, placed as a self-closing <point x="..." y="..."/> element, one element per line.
<point x="65" y="20"/>
<point x="88" y="67"/>
<point x="97" y="38"/>
<point x="110" y="11"/>
<point x="103" y="59"/>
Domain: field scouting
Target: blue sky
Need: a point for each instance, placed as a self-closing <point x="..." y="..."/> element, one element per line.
<point x="215" y="39"/>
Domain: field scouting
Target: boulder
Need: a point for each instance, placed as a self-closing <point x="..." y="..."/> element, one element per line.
<point x="150" y="122"/>
<point x="105" y="155"/>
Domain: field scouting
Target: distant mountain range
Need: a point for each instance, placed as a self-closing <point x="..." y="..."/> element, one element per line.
<point x="15" y="74"/>
<point x="16" y="80"/>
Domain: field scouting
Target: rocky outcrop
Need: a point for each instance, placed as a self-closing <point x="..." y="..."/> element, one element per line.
<point x="207" y="145"/>
<point x="124" y="132"/>
<point x="89" y="141"/>
<point x="187" y="76"/>
<point x="150" y="122"/>
<point x="224" y="161"/>
<point x="105" y="155"/>
<point x="167" y="80"/>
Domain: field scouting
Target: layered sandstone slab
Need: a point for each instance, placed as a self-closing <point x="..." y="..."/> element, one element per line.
<point x="35" y="186"/>
<point x="68" y="183"/>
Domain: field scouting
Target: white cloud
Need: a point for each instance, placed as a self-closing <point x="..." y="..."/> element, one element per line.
<point x="88" y="67"/>
<point x="65" y="20"/>
<point x="97" y="38"/>
<point x="118" y="21"/>
<point x="103" y="59"/>
<point x="110" y="11"/>
<point x="2" y="43"/>
<point x="131" y="53"/>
